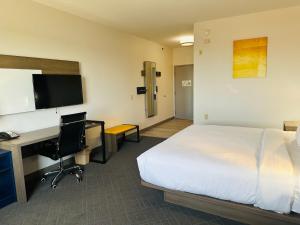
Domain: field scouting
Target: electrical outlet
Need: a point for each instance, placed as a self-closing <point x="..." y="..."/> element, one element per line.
<point x="206" y="116"/>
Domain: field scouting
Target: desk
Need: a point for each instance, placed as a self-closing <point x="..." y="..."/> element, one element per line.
<point x="15" y="146"/>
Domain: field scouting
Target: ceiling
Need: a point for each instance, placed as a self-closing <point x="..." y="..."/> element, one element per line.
<point x="163" y="21"/>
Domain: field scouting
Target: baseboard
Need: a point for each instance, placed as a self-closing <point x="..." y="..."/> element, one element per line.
<point x="156" y="124"/>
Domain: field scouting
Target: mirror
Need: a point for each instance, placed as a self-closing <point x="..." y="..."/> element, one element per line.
<point x="150" y="84"/>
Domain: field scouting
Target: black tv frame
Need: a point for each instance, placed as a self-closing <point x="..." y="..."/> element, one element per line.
<point x="57" y="92"/>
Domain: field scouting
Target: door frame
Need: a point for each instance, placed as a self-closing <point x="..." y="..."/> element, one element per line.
<point x="174" y="95"/>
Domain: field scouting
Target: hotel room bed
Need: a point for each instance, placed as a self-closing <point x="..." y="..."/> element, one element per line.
<point x="245" y="165"/>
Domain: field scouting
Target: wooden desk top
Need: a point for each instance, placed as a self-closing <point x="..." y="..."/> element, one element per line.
<point x="31" y="137"/>
<point x="36" y="136"/>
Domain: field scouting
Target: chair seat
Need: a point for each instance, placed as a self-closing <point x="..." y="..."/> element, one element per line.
<point x="49" y="150"/>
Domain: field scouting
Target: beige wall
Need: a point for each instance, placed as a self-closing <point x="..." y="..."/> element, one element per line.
<point x="183" y="56"/>
<point x="110" y="62"/>
<point x="252" y="102"/>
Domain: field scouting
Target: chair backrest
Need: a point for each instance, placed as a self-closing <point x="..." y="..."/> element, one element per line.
<point x="72" y="134"/>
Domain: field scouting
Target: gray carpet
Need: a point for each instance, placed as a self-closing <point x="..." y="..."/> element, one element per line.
<point x="110" y="194"/>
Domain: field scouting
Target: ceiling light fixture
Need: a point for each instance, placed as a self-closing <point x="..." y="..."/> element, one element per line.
<point x="187" y="41"/>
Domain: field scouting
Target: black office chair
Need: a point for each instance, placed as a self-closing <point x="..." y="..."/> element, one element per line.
<point x="70" y="141"/>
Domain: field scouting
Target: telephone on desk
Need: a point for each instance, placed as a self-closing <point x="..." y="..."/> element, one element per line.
<point x="4" y="136"/>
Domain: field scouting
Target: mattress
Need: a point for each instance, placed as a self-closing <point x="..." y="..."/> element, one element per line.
<point x="229" y="163"/>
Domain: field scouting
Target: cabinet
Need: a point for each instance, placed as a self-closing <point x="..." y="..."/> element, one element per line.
<point x="7" y="182"/>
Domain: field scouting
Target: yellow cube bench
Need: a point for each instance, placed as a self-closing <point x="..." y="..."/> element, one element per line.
<point x="111" y="135"/>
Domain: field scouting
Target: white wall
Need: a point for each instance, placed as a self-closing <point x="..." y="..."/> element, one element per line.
<point x="251" y="102"/>
<point x="183" y="56"/>
<point x="110" y="62"/>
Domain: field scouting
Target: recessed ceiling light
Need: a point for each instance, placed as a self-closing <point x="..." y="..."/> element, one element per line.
<point x="186" y="41"/>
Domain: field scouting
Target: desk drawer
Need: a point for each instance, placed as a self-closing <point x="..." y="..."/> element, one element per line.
<point x="7" y="182"/>
<point x="5" y="160"/>
<point x="7" y="200"/>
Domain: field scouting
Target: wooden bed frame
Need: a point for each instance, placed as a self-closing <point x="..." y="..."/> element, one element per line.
<point x="230" y="210"/>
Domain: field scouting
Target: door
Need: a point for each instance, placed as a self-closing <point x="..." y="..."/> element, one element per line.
<point x="184" y="91"/>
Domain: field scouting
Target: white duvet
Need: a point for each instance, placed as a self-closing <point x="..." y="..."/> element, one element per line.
<point x="245" y="165"/>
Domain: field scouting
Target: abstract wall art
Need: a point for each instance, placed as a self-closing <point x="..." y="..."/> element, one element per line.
<point x="250" y="58"/>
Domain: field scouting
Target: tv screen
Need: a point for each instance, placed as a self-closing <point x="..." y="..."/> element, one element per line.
<point x="51" y="91"/>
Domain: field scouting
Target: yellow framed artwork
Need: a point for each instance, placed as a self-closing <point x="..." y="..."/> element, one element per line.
<point x="250" y="58"/>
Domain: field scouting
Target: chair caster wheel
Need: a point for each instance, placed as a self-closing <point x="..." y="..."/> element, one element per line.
<point x="43" y="180"/>
<point x="78" y="181"/>
<point x="78" y="178"/>
<point x="54" y="186"/>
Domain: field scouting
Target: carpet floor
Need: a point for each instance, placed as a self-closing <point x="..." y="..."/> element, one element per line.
<point x="110" y="194"/>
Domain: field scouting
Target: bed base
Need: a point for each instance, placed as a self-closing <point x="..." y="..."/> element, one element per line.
<point x="238" y="212"/>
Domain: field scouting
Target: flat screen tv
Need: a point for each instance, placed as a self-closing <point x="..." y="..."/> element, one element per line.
<point x="51" y="91"/>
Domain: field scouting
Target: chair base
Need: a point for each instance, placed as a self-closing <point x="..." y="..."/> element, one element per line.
<point x="61" y="171"/>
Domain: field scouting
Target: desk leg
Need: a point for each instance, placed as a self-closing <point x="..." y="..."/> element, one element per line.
<point x="19" y="174"/>
<point x="111" y="143"/>
<point x="137" y="133"/>
<point x="102" y="139"/>
<point x="137" y="127"/>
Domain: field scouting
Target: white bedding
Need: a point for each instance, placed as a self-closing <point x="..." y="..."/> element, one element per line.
<point x="275" y="185"/>
<point x="230" y="163"/>
<point x="294" y="152"/>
